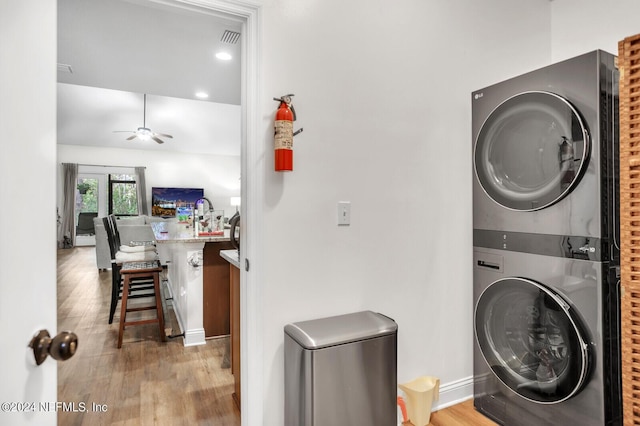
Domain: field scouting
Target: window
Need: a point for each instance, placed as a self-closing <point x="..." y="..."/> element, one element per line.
<point x="86" y="205"/>
<point x="123" y="195"/>
<point x="87" y="202"/>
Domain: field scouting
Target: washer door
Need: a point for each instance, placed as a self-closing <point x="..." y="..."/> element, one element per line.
<point x="531" y="340"/>
<point x="531" y="150"/>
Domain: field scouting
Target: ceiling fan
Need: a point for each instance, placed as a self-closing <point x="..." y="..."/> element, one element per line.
<point x="144" y="133"/>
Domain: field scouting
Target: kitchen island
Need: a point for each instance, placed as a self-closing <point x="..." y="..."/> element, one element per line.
<point x="198" y="280"/>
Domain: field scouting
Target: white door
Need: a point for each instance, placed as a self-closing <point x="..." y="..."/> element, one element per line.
<point x="28" y="217"/>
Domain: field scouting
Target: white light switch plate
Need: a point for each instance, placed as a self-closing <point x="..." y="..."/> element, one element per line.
<point x="344" y="213"/>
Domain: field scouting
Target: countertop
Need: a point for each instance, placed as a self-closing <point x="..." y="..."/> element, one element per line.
<point x="172" y="232"/>
<point x="231" y="256"/>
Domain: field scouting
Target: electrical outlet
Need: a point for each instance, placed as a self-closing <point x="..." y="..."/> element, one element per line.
<point x="344" y="213"/>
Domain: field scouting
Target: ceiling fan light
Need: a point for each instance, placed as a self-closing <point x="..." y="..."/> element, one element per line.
<point x="144" y="133"/>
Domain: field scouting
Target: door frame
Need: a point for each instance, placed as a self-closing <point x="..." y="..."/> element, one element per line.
<point x="252" y="194"/>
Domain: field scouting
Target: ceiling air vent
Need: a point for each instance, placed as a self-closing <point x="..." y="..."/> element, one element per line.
<point x="230" y="37"/>
<point x="65" y="68"/>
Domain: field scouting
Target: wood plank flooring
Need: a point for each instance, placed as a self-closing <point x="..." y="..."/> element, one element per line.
<point x="148" y="382"/>
<point x="145" y="382"/>
<point x="460" y="414"/>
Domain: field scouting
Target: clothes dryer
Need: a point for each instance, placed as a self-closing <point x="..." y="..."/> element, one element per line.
<point x="546" y="334"/>
<point x="545" y="150"/>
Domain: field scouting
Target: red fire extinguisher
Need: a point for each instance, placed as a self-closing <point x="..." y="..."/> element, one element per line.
<point x="285" y="116"/>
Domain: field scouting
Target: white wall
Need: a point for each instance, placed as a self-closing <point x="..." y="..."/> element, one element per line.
<point x="218" y="175"/>
<point x="383" y="92"/>
<point x="580" y="26"/>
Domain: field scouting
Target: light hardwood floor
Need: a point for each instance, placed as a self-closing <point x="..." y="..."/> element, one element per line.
<point x="460" y="414"/>
<point x="147" y="381"/>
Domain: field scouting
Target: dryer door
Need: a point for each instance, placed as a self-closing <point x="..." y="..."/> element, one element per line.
<point x="531" y="150"/>
<point x="531" y="340"/>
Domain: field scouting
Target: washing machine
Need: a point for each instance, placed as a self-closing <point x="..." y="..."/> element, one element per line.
<point x="546" y="251"/>
<point x="546" y="348"/>
<point x="544" y="150"/>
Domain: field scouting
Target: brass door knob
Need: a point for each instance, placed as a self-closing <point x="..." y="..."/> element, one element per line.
<point x="61" y="347"/>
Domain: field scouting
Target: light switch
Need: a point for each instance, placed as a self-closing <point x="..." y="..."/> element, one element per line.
<point x="344" y="213"/>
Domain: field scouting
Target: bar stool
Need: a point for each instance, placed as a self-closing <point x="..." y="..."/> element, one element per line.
<point x="131" y="271"/>
<point x="137" y="288"/>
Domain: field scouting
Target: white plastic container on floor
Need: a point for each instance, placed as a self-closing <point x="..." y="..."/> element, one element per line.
<point x="419" y="396"/>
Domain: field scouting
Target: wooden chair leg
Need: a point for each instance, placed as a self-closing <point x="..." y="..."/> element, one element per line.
<point x="115" y="293"/>
<point x="123" y="310"/>
<point x="159" y="312"/>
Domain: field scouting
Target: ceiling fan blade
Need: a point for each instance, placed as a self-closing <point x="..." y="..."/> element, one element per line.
<point x="144" y="133"/>
<point x="123" y="131"/>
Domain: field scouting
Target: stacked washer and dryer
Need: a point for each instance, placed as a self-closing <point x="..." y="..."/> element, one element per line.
<point x="546" y="253"/>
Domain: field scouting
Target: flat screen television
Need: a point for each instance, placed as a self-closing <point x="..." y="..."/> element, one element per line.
<point x="165" y="201"/>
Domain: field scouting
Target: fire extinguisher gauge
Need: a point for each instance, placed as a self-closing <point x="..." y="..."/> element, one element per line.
<point x="287" y="100"/>
<point x="284" y="98"/>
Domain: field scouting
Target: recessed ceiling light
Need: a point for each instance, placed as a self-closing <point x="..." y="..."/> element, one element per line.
<point x="202" y="95"/>
<point x="223" y="56"/>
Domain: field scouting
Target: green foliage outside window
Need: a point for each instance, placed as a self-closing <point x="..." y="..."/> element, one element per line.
<point x="124" y="196"/>
<point x="88" y="189"/>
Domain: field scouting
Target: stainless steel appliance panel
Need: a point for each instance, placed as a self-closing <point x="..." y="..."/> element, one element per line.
<point x="589" y="293"/>
<point x="529" y="133"/>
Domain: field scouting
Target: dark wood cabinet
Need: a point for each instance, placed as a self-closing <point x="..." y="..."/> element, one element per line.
<point x="216" y="290"/>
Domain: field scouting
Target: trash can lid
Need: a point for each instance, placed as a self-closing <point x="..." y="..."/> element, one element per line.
<point x="341" y="329"/>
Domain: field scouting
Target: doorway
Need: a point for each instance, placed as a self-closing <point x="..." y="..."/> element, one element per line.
<point x="247" y="15"/>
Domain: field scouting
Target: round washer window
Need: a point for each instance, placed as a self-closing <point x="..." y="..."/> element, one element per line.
<point x="531" y="340"/>
<point x="531" y="150"/>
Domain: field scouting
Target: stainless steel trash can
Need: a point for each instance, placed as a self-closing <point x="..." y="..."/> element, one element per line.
<point x="341" y="370"/>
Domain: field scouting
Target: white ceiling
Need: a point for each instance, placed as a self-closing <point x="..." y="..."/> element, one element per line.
<point x="90" y="116"/>
<point x="120" y="49"/>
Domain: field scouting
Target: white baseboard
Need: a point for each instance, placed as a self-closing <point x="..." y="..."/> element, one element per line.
<point x="194" y="337"/>
<point x="453" y="393"/>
